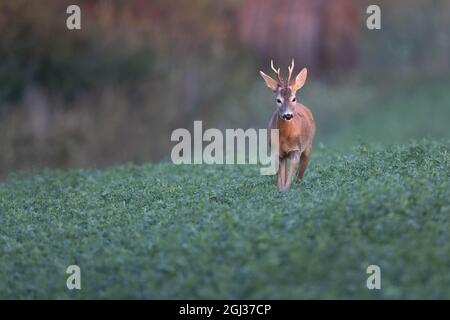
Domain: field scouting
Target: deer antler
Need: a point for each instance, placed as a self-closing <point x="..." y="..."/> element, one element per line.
<point x="290" y="68"/>
<point x="277" y="72"/>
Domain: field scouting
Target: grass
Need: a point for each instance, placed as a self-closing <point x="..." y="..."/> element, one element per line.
<point x="381" y="113"/>
<point x="165" y="231"/>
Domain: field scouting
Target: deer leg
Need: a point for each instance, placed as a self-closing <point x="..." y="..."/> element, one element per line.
<point x="294" y="157"/>
<point x="286" y="171"/>
<point x="279" y="182"/>
<point x="281" y="173"/>
<point x="304" y="159"/>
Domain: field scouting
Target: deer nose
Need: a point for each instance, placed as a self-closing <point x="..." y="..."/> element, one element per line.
<point x="287" y="116"/>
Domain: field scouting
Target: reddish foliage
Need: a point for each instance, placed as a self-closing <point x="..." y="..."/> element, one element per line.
<point x="323" y="35"/>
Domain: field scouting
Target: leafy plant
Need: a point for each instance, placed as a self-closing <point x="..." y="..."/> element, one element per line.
<point x="165" y="231"/>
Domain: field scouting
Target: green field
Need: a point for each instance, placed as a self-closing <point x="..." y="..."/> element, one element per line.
<point x="86" y="179"/>
<point x="165" y="231"/>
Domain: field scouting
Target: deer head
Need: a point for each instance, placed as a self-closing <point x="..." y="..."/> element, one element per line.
<point x="285" y="91"/>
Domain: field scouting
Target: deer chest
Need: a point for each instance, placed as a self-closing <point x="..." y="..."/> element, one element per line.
<point x="289" y="142"/>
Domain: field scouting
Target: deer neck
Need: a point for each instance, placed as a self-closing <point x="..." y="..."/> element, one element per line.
<point x="285" y="127"/>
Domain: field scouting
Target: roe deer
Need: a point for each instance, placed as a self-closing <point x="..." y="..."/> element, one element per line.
<point x="296" y="125"/>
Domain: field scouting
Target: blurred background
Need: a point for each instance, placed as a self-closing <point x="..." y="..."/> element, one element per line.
<point x="114" y="91"/>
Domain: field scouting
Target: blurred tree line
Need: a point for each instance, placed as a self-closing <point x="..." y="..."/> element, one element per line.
<point x="114" y="91"/>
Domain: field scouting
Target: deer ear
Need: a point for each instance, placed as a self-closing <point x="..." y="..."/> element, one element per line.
<point x="271" y="83"/>
<point x="300" y="79"/>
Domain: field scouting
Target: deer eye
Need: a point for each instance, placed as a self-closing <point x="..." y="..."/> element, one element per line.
<point x="278" y="101"/>
<point x="294" y="99"/>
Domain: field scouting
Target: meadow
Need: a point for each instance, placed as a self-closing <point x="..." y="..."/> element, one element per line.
<point x="370" y="196"/>
<point x="85" y="124"/>
<point x="160" y="231"/>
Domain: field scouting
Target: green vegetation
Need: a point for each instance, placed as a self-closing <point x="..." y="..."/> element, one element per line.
<point x="380" y="114"/>
<point x="160" y="231"/>
<point x="140" y="69"/>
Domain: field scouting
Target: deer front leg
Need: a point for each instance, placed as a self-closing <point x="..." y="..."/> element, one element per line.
<point x="304" y="160"/>
<point x="294" y="157"/>
<point x="281" y="173"/>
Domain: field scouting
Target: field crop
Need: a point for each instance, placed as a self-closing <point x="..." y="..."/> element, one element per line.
<point x="166" y="231"/>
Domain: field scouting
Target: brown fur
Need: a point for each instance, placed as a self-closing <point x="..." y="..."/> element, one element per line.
<point x="296" y="135"/>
